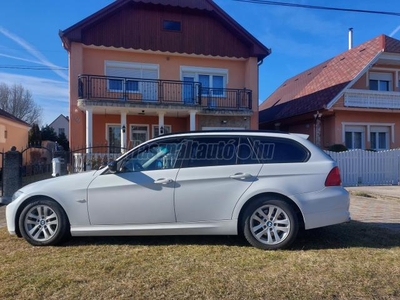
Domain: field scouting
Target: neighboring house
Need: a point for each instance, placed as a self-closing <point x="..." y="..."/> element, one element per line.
<point x="61" y="125"/>
<point x="141" y="68"/>
<point x="351" y="99"/>
<point x="13" y="132"/>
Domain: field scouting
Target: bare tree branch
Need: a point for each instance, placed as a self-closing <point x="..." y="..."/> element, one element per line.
<point x="18" y="101"/>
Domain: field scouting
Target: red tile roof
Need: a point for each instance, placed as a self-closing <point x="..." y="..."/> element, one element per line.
<point x="313" y="89"/>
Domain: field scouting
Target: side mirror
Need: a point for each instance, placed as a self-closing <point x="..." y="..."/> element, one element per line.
<point x="112" y="166"/>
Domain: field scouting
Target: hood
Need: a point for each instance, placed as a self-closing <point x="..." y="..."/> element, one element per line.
<point x="73" y="181"/>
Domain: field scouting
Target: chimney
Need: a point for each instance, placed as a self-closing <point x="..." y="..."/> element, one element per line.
<point x="350" y="38"/>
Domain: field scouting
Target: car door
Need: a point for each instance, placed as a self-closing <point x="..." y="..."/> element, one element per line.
<point x="141" y="191"/>
<point x="214" y="175"/>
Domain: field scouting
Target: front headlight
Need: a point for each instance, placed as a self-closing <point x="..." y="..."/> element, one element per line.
<point x="16" y="195"/>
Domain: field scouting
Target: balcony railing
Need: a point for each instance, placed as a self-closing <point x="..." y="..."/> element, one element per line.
<point x="372" y="99"/>
<point x="138" y="90"/>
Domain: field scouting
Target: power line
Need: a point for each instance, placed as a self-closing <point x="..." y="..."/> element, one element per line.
<point x="39" y="68"/>
<point x="266" y="2"/>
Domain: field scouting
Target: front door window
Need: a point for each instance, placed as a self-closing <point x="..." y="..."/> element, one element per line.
<point x="114" y="138"/>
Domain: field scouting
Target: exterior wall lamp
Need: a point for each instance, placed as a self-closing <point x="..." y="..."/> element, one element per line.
<point x="123" y="128"/>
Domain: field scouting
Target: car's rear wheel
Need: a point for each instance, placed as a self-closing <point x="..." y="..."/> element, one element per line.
<point x="43" y="223"/>
<point x="270" y="224"/>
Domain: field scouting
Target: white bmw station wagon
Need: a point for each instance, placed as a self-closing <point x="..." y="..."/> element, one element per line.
<point x="264" y="185"/>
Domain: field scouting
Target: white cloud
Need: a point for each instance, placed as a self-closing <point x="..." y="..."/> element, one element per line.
<point x="28" y="47"/>
<point x="51" y="95"/>
<point x="43" y="88"/>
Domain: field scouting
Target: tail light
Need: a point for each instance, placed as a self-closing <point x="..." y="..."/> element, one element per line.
<point x="333" y="178"/>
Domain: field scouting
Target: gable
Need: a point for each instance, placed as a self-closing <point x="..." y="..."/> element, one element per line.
<point x="205" y="29"/>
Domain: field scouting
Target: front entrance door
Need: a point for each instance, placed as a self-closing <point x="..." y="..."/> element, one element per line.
<point x="114" y="138"/>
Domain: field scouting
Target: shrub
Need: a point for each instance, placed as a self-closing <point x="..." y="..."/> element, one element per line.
<point x="337" y="148"/>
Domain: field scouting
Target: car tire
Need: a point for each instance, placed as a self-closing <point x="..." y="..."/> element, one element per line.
<point x="44" y="223"/>
<point x="270" y="224"/>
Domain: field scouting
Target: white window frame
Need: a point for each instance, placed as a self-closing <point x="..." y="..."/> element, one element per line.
<point x="133" y="66"/>
<point x="110" y="124"/>
<point x="368" y="127"/>
<point x="355" y="129"/>
<point x="153" y="129"/>
<point x="131" y="131"/>
<point x="191" y="71"/>
<point x="381" y="76"/>
<point x="380" y="129"/>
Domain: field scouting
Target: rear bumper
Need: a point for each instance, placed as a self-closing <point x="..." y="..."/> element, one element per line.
<point x="327" y="207"/>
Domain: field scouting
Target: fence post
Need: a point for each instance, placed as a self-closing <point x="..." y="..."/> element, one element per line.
<point x="12" y="177"/>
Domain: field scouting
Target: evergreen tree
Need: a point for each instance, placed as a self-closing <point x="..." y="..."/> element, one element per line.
<point x="48" y="133"/>
<point x="34" y="135"/>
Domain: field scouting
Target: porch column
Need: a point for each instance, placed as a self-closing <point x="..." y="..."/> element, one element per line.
<point x="161" y="123"/>
<point x="192" y="120"/>
<point x="124" y="129"/>
<point x="89" y="130"/>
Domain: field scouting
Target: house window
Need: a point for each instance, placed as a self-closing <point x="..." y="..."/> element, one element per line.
<point x="3" y="134"/>
<point x="212" y="85"/>
<point x="172" y="25"/>
<point x="156" y="130"/>
<point x="213" y="81"/>
<point x="380" y="81"/>
<point x="355" y="137"/>
<point x="379" y="137"/>
<point x="61" y="131"/>
<point x="139" y="134"/>
<point x="127" y="78"/>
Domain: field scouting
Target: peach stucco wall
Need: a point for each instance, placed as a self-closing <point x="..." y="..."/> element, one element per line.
<point x="335" y="134"/>
<point x="242" y="73"/>
<point x="12" y="134"/>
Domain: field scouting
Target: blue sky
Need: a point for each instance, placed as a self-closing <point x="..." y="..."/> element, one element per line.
<point x="299" y="39"/>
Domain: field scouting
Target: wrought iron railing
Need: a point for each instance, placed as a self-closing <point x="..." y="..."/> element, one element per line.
<point x="137" y="90"/>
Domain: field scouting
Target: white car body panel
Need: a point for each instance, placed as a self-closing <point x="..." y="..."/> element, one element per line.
<point x="202" y="200"/>
<point x="194" y="203"/>
<point x="132" y="198"/>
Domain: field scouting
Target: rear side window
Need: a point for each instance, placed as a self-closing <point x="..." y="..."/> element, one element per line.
<point x="211" y="151"/>
<point x="279" y="150"/>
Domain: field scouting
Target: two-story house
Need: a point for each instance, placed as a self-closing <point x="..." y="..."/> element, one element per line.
<point x="352" y="99"/>
<point x="139" y="69"/>
<point x="61" y="125"/>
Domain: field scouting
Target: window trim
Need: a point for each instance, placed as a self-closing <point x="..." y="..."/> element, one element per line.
<point x="195" y="72"/>
<point x="131" y="66"/>
<point x="131" y="131"/>
<point x="156" y="125"/>
<point x="368" y="127"/>
<point x="381" y="77"/>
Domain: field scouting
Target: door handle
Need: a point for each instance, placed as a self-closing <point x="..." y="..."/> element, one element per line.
<point x="163" y="181"/>
<point x="241" y="176"/>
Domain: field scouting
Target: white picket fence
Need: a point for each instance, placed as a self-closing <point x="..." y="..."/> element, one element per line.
<point x="360" y="167"/>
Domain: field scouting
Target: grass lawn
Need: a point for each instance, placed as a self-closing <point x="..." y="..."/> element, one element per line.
<point x="348" y="261"/>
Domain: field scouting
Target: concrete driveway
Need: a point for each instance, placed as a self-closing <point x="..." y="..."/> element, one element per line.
<point x="378" y="205"/>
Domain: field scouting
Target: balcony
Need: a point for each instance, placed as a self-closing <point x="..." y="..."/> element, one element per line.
<point x="169" y="92"/>
<point x="372" y="99"/>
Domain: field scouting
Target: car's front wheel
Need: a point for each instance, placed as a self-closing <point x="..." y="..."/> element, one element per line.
<point x="270" y="224"/>
<point x="44" y="223"/>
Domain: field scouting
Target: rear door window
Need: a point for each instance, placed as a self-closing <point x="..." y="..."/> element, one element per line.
<point x="272" y="150"/>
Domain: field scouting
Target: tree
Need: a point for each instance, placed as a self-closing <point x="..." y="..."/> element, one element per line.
<point x="48" y="133"/>
<point x="35" y="137"/>
<point x="18" y="101"/>
<point x="63" y="141"/>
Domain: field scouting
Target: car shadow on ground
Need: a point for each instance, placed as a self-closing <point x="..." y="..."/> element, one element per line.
<point x="352" y="234"/>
